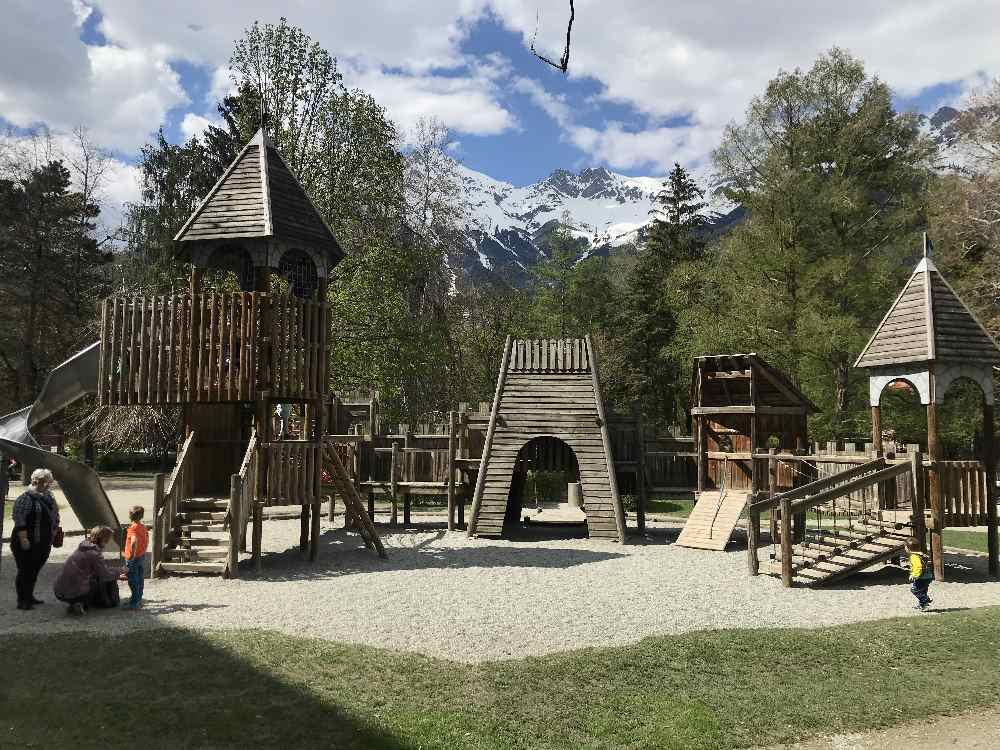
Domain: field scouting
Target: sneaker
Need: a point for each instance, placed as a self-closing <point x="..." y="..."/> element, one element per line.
<point x="919" y="607"/>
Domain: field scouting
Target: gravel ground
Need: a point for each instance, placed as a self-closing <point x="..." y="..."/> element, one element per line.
<point x="444" y="595"/>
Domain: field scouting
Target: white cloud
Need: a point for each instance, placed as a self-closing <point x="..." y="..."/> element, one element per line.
<point x="465" y="104"/>
<point x="656" y="147"/>
<point x="194" y="125"/>
<point x="554" y="105"/>
<point x="705" y="61"/>
<point x="47" y="75"/>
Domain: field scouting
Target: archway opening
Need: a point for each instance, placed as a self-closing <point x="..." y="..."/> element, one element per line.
<point x="960" y="421"/>
<point x="230" y="269"/>
<point x="540" y="487"/>
<point x="904" y="418"/>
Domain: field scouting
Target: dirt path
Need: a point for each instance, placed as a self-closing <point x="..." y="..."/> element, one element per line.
<point x="976" y="730"/>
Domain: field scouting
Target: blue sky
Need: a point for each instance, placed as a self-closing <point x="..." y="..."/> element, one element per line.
<point x="645" y="88"/>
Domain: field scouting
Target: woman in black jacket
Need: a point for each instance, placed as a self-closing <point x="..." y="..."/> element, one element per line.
<point x="36" y="518"/>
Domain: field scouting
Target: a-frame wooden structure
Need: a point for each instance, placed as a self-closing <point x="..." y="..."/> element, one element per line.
<point x="548" y="388"/>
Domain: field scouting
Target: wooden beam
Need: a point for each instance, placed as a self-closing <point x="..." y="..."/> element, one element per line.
<point x="747" y="409"/>
<point x="477" y="499"/>
<point x="606" y="441"/>
<point x="989" y="463"/>
<point x="934" y="492"/>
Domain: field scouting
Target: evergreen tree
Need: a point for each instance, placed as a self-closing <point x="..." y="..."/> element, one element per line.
<point x="51" y="274"/>
<point x="649" y="322"/>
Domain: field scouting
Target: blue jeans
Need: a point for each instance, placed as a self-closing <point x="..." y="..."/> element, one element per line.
<point x="136" y="578"/>
<point x="919" y="589"/>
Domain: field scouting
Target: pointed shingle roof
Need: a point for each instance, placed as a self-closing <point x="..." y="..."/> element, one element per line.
<point x="259" y="197"/>
<point x="928" y="322"/>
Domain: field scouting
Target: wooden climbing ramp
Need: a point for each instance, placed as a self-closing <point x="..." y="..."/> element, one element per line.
<point x="713" y="520"/>
<point x="548" y="389"/>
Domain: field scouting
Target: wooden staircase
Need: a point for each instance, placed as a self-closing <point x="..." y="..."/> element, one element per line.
<point x="201" y="539"/>
<point x="830" y="555"/>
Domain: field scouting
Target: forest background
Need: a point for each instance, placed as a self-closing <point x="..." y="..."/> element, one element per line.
<point x="837" y="189"/>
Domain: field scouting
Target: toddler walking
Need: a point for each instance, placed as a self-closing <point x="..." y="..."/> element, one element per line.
<point x="136" y="544"/>
<point x="921" y="574"/>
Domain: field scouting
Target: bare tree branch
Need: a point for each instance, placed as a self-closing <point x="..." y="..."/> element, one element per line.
<point x="563" y="63"/>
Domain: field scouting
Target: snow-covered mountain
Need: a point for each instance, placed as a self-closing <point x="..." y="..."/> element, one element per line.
<point x="507" y="225"/>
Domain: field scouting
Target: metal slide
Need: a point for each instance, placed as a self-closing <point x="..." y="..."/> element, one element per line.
<point x="69" y="382"/>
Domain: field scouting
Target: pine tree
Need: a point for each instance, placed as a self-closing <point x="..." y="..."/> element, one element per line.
<point x="650" y="310"/>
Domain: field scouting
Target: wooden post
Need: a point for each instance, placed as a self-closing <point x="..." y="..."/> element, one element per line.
<point x="451" y="471"/>
<point x="786" y="543"/>
<point x="702" y="452"/>
<point x="606" y="441"/>
<point x="800" y="518"/>
<point x="934" y="487"/>
<point x="234" y="526"/>
<point x="407" y="475"/>
<point x="371" y="503"/>
<point x="159" y="529"/>
<point x="772" y="488"/>
<point x="640" y="471"/>
<point x="989" y="465"/>
<point x="258" y="535"/>
<point x="753" y="539"/>
<point x="314" y="535"/>
<point x="394" y="482"/>
<point x="917" y="512"/>
<point x="304" y="522"/>
<point x="877" y="431"/>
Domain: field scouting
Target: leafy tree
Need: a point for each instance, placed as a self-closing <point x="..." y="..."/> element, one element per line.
<point x="832" y="179"/>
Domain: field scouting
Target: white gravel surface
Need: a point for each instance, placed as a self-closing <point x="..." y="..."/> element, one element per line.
<point x="445" y="595"/>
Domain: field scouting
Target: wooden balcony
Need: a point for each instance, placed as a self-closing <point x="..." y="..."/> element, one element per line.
<point x="223" y="347"/>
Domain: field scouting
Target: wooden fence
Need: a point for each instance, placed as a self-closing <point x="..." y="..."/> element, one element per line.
<point x="210" y="348"/>
<point x="293" y="473"/>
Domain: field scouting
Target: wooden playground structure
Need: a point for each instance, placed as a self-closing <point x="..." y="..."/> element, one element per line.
<point x="240" y="362"/>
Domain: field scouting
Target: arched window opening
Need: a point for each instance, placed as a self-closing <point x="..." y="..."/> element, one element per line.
<point x="230" y="269"/>
<point x="960" y="421"/>
<point x="545" y="467"/>
<point x="300" y="271"/>
<point x="904" y="418"/>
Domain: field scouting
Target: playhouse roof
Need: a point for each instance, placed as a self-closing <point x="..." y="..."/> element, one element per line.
<point x="726" y="387"/>
<point x="928" y="322"/>
<point x="258" y="197"/>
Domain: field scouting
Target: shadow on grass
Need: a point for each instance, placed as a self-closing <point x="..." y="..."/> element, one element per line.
<point x="341" y="553"/>
<point x="958" y="568"/>
<point x="169" y="689"/>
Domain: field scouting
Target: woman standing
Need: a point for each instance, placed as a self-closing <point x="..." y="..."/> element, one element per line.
<point x="36" y="518"/>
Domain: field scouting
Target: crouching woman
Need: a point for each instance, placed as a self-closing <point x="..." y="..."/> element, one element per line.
<point x="86" y="580"/>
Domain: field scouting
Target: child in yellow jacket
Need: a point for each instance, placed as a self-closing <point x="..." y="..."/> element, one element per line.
<point x="921" y="574"/>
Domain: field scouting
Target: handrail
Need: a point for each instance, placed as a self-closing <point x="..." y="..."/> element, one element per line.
<point x="165" y="505"/>
<point x="836" y="480"/>
<point x="242" y="496"/>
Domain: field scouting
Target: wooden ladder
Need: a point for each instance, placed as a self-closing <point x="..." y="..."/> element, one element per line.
<point x="340" y="478"/>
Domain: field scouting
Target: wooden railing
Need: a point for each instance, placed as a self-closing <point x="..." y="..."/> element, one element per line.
<point x="167" y="497"/>
<point x="293" y="473"/>
<point x="963" y="492"/>
<point x="242" y="499"/>
<point x="210" y="348"/>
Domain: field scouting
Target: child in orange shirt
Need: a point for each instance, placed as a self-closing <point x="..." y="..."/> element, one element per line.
<point x="136" y="544"/>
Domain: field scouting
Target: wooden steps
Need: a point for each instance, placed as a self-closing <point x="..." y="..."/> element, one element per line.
<point x="201" y="538"/>
<point x="713" y="520"/>
<point x="831" y="555"/>
<point x="216" y="569"/>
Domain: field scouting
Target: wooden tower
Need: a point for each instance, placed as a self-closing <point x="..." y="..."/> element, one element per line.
<point x="930" y="339"/>
<point x="548" y="389"/>
<point x="229" y="358"/>
<point x="741" y="406"/>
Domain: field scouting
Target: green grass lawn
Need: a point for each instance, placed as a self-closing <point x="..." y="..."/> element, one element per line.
<point x="708" y="690"/>
<point x="670" y="506"/>
<point x="971" y="540"/>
